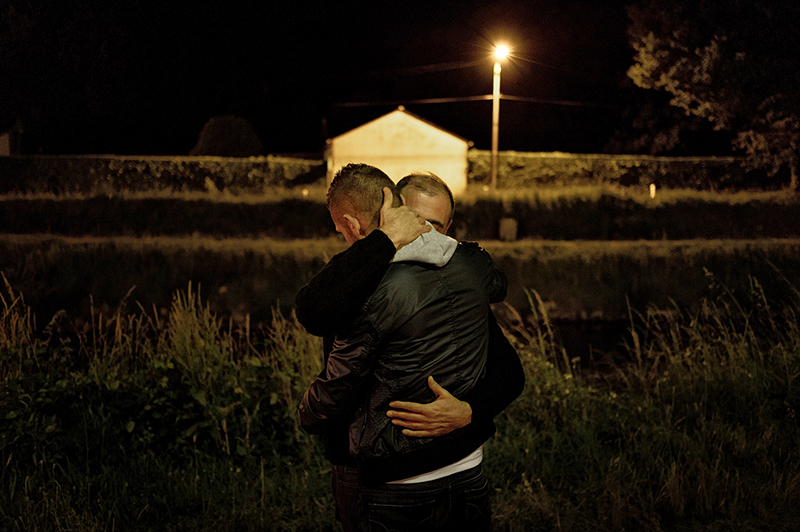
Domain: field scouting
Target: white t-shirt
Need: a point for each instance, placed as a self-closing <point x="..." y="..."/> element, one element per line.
<point x="468" y="462"/>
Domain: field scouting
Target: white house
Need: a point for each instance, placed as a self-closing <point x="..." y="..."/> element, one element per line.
<point x="400" y="143"/>
<point x="9" y="139"/>
<point x="5" y="143"/>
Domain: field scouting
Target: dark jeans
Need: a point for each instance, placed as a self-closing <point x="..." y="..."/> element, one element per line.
<point x="344" y="483"/>
<point x="458" y="502"/>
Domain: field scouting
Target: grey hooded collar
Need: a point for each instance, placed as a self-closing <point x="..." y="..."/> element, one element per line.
<point x="431" y="248"/>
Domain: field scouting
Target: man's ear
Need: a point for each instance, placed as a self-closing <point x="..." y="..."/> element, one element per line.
<point x="388" y="199"/>
<point x="352" y="224"/>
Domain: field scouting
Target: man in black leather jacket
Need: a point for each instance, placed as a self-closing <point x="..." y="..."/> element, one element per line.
<point x="343" y="285"/>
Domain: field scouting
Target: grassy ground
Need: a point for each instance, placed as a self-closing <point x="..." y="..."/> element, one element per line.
<point x="186" y="422"/>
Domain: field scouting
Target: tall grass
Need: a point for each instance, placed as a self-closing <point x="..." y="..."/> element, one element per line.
<point x="137" y="423"/>
<point x="143" y="421"/>
<point x="695" y="430"/>
<point x="17" y="327"/>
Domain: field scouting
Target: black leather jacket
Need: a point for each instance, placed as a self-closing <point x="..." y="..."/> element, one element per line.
<point x="422" y="320"/>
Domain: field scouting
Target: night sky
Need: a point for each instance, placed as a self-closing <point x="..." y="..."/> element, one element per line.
<point x="143" y="77"/>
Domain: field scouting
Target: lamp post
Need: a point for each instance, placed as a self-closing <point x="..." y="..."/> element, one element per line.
<point x="500" y="53"/>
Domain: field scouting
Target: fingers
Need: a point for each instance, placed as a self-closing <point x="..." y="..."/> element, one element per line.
<point x="402" y="225"/>
<point x="416" y="408"/>
<point x="406" y="416"/>
<point x="420" y="430"/>
<point x="409" y="424"/>
<point x="422" y="433"/>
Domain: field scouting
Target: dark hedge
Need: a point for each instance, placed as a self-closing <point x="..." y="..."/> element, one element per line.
<point x="526" y="169"/>
<point x="114" y="174"/>
<point x="609" y="217"/>
<point x="111" y="174"/>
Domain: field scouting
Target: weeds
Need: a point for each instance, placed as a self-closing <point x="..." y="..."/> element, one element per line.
<point x="17" y="327"/>
<point x="188" y="422"/>
<point x="695" y="430"/>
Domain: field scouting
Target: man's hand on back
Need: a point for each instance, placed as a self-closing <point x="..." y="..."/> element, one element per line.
<point x="444" y="415"/>
<point x="401" y="224"/>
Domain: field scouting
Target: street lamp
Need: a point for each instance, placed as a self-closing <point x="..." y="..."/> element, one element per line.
<point x="500" y="53"/>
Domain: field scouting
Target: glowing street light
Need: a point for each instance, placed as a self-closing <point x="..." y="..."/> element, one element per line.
<point x="500" y="53"/>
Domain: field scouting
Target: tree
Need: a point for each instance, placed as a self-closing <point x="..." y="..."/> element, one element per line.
<point x="228" y="136"/>
<point x="648" y="124"/>
<point x="733" y="63"/>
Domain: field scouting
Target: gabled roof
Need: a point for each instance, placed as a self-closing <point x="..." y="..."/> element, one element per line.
<point x="403" y="110"/>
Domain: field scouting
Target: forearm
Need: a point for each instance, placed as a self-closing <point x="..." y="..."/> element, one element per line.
<point x="333" y="396"/>
<point x="330" y="302"/>
<point x="329" y="400"/>
<point x="321" y="407"/>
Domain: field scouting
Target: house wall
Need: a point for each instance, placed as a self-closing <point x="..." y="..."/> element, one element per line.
<point x="5" y="144"/>
<point x="400" y="144"/>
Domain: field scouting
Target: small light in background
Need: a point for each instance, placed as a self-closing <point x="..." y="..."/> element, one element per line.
<point x="305" y="192"/>
<point x="652" y="190"/>
<point x="486" y="188"/>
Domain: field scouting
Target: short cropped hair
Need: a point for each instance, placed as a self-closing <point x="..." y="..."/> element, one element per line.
<point x="429" y="184"/>
<point x="358" y="188"/>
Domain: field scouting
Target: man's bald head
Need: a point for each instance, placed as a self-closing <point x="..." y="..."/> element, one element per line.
<point x="430" y="196"/>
